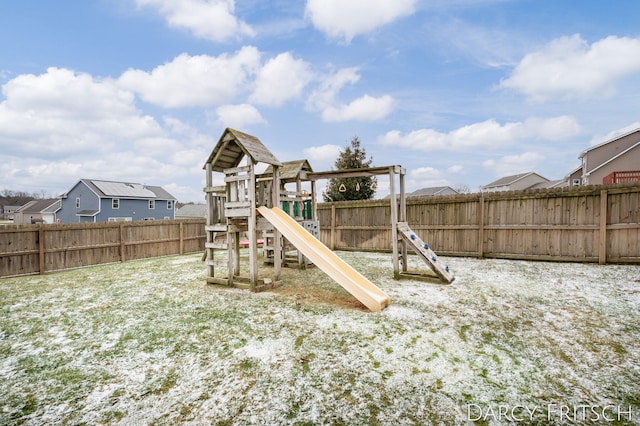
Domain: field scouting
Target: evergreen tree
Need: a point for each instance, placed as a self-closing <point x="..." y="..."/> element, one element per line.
<point x="353" y="188"/>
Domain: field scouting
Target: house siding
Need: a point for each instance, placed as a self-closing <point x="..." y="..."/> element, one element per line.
<point x="136" y="209"/>
<point x="89" y="200"/>
<point x="629" y="161"/>
<point x="598" y="155"/>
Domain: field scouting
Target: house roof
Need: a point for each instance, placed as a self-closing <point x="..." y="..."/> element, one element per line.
<point x="115" y="189"/>
<point x="290" y="170"/>
<point x="40" y="206"/>
<point x="577" y="169"/>
<point x="583" y="153"/>
<point x="509" y="180"/>
<point x="434" y="190"/>
<point x="233" y="146"/>
<point x="549" y="184"/>
<point x="192" y="210"/>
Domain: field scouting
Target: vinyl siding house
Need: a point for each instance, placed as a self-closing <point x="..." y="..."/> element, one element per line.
<point x="433" y="191"/>
<point x="107" y="201"/>
<point x="517" y="182"/>
<point x="37" y="211"/>
<point x="621" y="154"/>
<point x="192" y="211"/>
<point x="9" y="211"/>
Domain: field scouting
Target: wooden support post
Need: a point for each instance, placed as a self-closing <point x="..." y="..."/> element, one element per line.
<point x="403" y="218"/>
<point x="253" y="238"/>
<point x="481" y="226"/>
<point x="301" y="259"/>
<point x="277" y="247"/>
<point x="314" y="204"/>
<point x="41" y="249"/>
<point x="236" y="253"/>
<point x="393" y="204"/>
<point x="212" y="215"/>
<point x="602" y="244"/>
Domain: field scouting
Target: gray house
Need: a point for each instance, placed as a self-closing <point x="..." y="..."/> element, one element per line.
<point x="192" y="211"/>
<point x="621" y="154"/>
<point x="516" y="182"/>
<point x="9" y="211"/>
<point x="37" y="211"/>
<point x="92" y="200"/>
<point x="433" y="191"/>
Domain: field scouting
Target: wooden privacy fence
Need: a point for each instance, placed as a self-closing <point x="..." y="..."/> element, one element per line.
<point x="585" y="224"/>
<point x="37" y="249"/>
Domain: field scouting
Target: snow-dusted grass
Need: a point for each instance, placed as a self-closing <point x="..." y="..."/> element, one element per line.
<point x="148" y="342"/>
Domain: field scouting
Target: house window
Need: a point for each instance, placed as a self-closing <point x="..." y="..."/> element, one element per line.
<point x="115" y="203"/>
<point x="77" y="203"/>
<point x="576" y="182"/>
<point x="120" y="219"/>
<point x="152" y="204"/>
<point x="169" y="204"/>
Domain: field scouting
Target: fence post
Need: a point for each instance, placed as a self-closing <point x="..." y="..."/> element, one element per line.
<point x="181" y="238"/>
<point x="602" y="246"/>
<point x="123" y="246"/>
<point x="481" y="226"/>
<point x="332" y="240"/>
<point x="393" y="205"/>
<point x="41" y="248"/>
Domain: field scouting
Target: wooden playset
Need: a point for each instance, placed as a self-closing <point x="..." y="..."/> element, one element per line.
<point x="258" y="204"/>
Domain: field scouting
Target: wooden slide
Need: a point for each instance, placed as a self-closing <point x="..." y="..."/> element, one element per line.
<point x="339" y="270"/>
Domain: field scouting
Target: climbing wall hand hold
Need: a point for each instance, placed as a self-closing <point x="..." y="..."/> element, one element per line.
<point x="426" y="246"/>
<point x="433" y="258"/>
<point x="413" y="236"/>
<point x="446" y="268"/>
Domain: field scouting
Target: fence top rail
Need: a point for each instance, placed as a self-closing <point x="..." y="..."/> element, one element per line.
<point x="100" y="225"/>
<point x="581" y="191"/>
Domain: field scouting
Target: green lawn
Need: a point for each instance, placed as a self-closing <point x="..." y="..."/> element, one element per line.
<point x="147" y="342"/>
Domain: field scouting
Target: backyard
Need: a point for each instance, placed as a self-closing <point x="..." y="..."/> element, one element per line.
<point x="148" y="342"/>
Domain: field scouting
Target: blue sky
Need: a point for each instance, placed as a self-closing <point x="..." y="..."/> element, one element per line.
<point x="459" y="92"/>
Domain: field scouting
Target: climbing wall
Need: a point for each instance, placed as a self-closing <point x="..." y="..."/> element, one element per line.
<point x="424" y="251"/>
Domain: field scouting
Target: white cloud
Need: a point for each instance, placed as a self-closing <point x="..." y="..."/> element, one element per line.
<point x="365" y="108"/>
<point x="514" y="164"/>
<point x="194" y="80"/>
<point x="211" y="19"/>
<point x="330" y="85"/>
<point x="424" y="173"/>
<point x="425" y="177"/>
<point x="346" y="19"/>
<point x="60" y="126"/>
<point x="488" y="134"/>
<point x="569" y="67"/>
<point x="324" y="153"/>
<point x="238" y="116"/>
<point x="62" y="112"/>
<point x="280" y="79"/>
